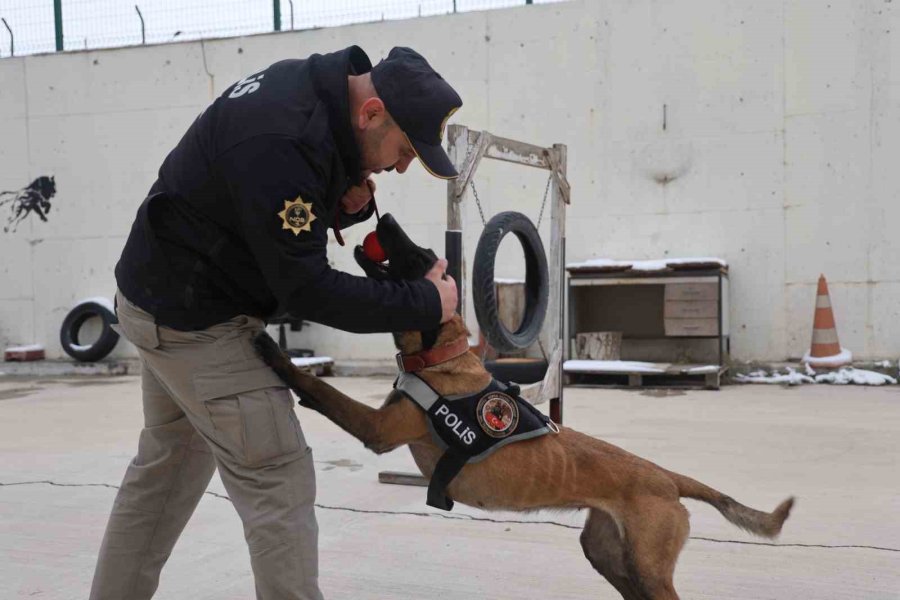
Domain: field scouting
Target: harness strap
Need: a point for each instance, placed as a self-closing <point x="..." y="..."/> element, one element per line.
<point x="448" y="467"/>
<point x="416" y="389"/>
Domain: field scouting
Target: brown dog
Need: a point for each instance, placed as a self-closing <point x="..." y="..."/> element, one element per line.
<point x="636" y="525"/>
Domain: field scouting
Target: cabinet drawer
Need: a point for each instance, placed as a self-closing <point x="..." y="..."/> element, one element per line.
<point x="692" y="327"/>
<point x="692" y="291"/>
<point x="686" y="309"/>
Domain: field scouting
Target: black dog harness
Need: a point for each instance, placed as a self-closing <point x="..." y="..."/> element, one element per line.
<point x="469" y="428"/>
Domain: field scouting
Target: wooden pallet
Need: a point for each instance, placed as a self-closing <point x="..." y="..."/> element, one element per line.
<point x="669" y="375"/>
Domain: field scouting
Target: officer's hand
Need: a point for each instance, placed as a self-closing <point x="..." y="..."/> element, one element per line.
<point x="446" y="287"/>
<point x="357" y="197"/>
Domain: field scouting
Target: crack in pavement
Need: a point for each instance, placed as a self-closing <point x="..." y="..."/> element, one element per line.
<point x="464" y="517"/>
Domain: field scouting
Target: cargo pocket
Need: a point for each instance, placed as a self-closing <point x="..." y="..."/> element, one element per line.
<point x="251" y="414"/>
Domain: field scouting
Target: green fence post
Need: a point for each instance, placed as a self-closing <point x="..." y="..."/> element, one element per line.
<point x="57" y="12"/>
<point x="276" y="8"/>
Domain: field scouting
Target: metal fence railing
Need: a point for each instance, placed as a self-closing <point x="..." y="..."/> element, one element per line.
<point x="35" y="26"/>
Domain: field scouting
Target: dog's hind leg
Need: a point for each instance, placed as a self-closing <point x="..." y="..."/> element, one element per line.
<point x="656" y="529"/>
<point x="607" y="552"/>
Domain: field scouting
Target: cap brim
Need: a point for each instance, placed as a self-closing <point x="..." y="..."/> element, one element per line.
<point x="434" y="159"/>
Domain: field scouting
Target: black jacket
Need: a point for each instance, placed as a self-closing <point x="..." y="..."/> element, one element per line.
<point x="226" y="229"/>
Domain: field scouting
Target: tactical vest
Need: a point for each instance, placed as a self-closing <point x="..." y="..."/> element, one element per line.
<point x="469" y="428"/>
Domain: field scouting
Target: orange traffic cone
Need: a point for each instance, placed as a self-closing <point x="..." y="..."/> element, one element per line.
<point x="825" y="350"/>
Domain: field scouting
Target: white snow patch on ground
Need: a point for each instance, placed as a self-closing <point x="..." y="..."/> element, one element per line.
<point x="792" y="377"/>
<point x="843" y="376"/>
<point x="857" y="376"/>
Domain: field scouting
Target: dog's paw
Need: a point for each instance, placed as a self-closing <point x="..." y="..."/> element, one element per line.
<point x="268" y="350"/>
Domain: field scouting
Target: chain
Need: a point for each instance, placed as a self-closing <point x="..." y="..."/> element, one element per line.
<point x="544" y="202"/>
<point x="477" y="201"/>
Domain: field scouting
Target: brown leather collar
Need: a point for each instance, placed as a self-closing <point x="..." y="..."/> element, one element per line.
<point x="435" y="356"/>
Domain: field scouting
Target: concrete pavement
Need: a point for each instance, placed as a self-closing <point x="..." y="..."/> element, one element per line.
<point x="65" y="442"/>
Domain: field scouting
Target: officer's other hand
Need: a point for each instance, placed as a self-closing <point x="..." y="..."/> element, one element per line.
<point x="358" y="196"/>
<point x="446" y="286"/>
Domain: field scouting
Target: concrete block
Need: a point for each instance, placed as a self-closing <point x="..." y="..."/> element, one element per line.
<point x="824" y="176"/>
<point x="14" y="172"/>
<point x="884" y="321"/>
<point x="16" y="266"/>
<point x="717" y="74"/>
<point x="104" y="81"/>
<point x="826" y="56"/>
<point x="63" y="282"/>
<point x="103" y="164"/>
<point x="13" y="100"/>
<point x="17" y="325"/>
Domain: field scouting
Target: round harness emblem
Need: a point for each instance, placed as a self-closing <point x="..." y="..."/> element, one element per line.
<point x="498" y="414"/>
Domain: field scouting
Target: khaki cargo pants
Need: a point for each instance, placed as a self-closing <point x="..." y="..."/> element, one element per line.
<point x="210" y="402"/>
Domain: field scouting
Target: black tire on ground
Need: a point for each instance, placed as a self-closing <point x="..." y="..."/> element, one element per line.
<point x="537" y="282"/>
<point x="517" y="370"/>
<point x="68" y="333"/>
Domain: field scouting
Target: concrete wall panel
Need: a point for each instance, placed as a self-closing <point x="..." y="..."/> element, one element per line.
<point x="778" y="154"/>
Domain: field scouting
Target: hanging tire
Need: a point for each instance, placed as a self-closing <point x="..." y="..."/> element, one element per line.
<point x="537" y="282"/>
<point x="71" y="327"/>
<point x="517" y="370"/>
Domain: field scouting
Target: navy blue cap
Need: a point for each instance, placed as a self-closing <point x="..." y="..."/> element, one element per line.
<point x="420" y="101"/>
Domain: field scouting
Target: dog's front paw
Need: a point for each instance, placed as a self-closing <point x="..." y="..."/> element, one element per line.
<point x="269" y="351"/>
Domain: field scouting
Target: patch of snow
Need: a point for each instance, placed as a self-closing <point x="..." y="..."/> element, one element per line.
<point x="610" y="366"/>
<point x="702" y="370"/>
<point x="792" y="377"/>
<point x="837" y="360"/>
<point x="809" y="370"/>
<point x="658" y="264"/>
<point x="649" y="265"/>
<point x="309" y="361"/>
<point x="885" y="364"/>
<point x="99" y="300"/>
<point x="600" y="262"/>
<point x="857" y="376"/>
<point x="31" y="348"/>
<point x="843" y="376"/>
<point x="688" y="261"/>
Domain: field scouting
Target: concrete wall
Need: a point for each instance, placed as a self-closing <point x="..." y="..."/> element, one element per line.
<point x="778" y="155"/>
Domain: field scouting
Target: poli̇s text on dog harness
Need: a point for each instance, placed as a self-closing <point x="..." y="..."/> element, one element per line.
<point x="469" y="428"/>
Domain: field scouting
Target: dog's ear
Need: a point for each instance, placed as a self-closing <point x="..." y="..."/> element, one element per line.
<point x="371" y="268"/>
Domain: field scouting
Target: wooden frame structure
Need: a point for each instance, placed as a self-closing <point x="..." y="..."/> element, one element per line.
<point x="467" y="148"/>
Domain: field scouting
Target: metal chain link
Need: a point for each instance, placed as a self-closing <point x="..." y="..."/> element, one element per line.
<point x="477" y="201"/>
<point x="544" y="202"/>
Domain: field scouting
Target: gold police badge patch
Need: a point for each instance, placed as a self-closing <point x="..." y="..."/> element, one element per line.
<point x="297" y="216"/>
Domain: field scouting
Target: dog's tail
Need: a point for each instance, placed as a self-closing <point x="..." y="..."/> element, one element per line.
<point x="760" y="523"/>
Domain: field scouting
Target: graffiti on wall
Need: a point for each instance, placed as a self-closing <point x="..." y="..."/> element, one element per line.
<point x="34" y="198"/>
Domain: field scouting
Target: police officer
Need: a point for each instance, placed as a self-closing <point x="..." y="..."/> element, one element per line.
<point x="233" y="232"/>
